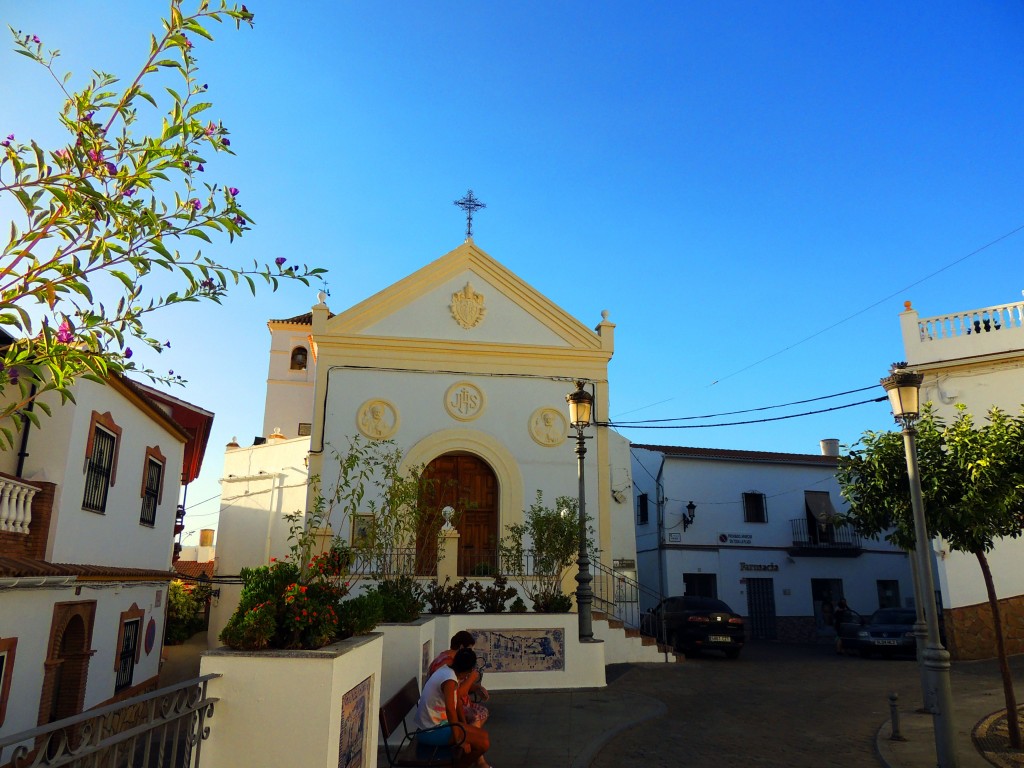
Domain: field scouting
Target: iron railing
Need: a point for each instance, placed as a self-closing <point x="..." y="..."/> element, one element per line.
<point x="162" y="729"/>
<point x="620" y="597"/>
<point x="815" y="536"/>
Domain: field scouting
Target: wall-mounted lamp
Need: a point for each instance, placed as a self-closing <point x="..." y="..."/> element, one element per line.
<point x="691" y="512"/>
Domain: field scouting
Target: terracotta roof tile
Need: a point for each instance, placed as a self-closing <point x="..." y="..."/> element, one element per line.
<point x="23" y="567"/>
<point x="190" y="569"/>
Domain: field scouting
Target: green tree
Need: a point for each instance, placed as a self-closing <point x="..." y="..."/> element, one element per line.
<point x="94" y="250"/>
<point x="972" y="480"/>
<point x="553" y="535"/>
<point x="378" y="503"/>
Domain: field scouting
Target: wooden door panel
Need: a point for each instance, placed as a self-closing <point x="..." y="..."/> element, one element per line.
<point x="470" y="485"/>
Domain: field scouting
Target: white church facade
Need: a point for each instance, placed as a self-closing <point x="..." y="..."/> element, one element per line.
<point x="464" y="367"/>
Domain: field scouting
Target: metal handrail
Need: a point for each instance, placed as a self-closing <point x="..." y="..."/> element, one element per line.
<point x="621" y="597"/>
<point x="167" y="726"/>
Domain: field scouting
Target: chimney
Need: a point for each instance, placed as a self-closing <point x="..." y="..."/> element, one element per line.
<point x="206" y="537"/>
<point x="830" y="447"/>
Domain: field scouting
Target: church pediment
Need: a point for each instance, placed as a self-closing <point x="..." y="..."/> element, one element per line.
<point x="465" y="296"/>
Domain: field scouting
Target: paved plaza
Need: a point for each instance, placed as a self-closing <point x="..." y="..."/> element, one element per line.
<point x="777" y="706"/>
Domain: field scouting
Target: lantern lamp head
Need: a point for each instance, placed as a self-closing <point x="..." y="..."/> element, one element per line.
<point x="904" y="390"/>
<point x="581" y="406"/>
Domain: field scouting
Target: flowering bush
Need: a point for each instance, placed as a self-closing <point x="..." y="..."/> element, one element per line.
<point x="93" y="216"/>
<point x="184" y="603"/>
<point x="284" y="607"/>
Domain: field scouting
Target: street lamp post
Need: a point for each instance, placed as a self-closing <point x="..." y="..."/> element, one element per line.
<point x="904" y="390"/>
<point x="581" y="405"/>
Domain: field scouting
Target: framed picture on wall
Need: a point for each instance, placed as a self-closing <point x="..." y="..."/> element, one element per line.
<point x="361" y="527"/>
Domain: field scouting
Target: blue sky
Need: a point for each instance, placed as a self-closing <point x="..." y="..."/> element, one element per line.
<point x="733" y="178"/>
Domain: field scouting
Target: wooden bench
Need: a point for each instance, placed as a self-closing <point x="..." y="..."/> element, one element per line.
<point x="410" y="752"/>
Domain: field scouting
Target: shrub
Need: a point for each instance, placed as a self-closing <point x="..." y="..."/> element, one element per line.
<point x="492" y="599"/>
<point x="554" y="535"/>
<point x="401" y="599"/>
<point x="282" y="607"/>
<point x="184" y="603"/>
<point x="518" y="606"/>
<point x="548" y="602"/>
<point x="450" y="598"/>
<point x="360" y="615"/>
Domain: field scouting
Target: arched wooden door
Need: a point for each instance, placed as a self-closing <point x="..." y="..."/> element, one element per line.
<point x="468" y="484"/>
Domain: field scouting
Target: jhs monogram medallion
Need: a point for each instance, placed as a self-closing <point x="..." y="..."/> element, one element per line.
<point x="464" y="401"/>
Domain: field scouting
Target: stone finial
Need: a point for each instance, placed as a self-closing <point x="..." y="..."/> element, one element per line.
<point x="233" y="444"/>
<point x="906" y="306"/>
<point x="276" y="434"/>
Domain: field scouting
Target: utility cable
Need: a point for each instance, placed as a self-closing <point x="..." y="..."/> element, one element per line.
<point x="747" y="410"/>
<point x="884" y="299"/>
<point x="739" y="423"/>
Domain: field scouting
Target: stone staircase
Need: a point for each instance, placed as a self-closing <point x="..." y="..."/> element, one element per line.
<point x="623" y="644"/>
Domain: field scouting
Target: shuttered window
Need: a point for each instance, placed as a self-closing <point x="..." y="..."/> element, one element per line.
<point x="100" y="465"/>
<point x="154" y="471"/>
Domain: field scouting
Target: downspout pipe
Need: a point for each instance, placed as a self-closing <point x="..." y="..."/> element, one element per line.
<point x="26" y="425"/>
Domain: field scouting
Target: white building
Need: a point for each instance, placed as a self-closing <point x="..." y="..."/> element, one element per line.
<point x="759" y="535"/>
<point x="88" y="512"/>
<point x="465" y="368"/>
<point x="974" y="357"/>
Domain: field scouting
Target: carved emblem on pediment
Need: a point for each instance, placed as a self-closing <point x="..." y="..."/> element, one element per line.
<point x="468" y="307"/>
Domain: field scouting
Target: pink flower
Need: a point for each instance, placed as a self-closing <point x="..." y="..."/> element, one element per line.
<point x="233" y="191"/>
<point x="196" y="205"/>
<point x="280" y="260"/>
<point x="64" y="334"/>
<point x="94" y="155"/>
<point x="211" y="129"/>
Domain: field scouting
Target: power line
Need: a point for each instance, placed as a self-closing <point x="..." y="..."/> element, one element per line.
<point x="748" y="410"/>
<point x="739" y="423"/>
<point x="870" y="306"/>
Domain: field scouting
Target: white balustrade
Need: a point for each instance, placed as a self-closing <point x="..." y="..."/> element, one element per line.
<point x="15" y="505"/>
<point x="972" y="323"/>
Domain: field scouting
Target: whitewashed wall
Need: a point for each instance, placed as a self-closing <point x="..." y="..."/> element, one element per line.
<point x="285" y="707"/>
<point x="27" y="614"/>
<point x="57" y="454"/>
<point x="419" y="399"/>
<point x="259" y="486"/>
<point x="716" y="486"/>
<point x="289" y="399"/>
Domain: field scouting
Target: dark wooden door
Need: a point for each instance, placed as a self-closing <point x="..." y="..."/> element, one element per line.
<point x="469" y="485"/>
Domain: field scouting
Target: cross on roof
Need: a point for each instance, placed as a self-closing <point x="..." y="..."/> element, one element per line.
<point x="470" y="205"/>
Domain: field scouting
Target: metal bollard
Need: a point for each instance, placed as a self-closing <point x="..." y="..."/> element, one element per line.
<point x="894" y="718"/>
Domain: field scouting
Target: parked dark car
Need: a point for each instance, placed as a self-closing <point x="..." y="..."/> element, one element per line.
<point x="692" y="624"/>
<point x="889" y="631"/>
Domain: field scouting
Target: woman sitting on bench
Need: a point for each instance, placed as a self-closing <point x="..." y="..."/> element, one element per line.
<point x="470" y="688"/>
<point x="439" y="704"/>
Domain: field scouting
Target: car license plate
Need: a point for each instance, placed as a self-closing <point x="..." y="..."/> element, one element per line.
<point x="886" y="642"/>
<point x="719" y="639"/>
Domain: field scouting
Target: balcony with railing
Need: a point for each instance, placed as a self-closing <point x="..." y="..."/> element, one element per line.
<point x="815" y="540"/>
<point x="25" y="510"/>
<point x="986" y="331"/>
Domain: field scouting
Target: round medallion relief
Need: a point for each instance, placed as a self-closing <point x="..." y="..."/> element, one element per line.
<point x="464" y="401"/>
<point x="377" y="419"/>
<point x="548" y="427"/>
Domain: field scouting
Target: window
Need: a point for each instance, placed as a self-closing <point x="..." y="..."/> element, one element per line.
<point x="700" y="585"/>
<point x="100" y="461"/>
<point x="151" y="491"/>
<point x="299" y="356"/>
<point x="127" y="647"/>
<point x="641" y="509"/>
<point x="888" y="593"/>
<point x="754" y="508"/>
<point x="7" y="648"/>
<point x="305" y="429"/>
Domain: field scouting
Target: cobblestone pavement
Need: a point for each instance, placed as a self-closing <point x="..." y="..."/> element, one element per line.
<point x="777" y="705"/>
